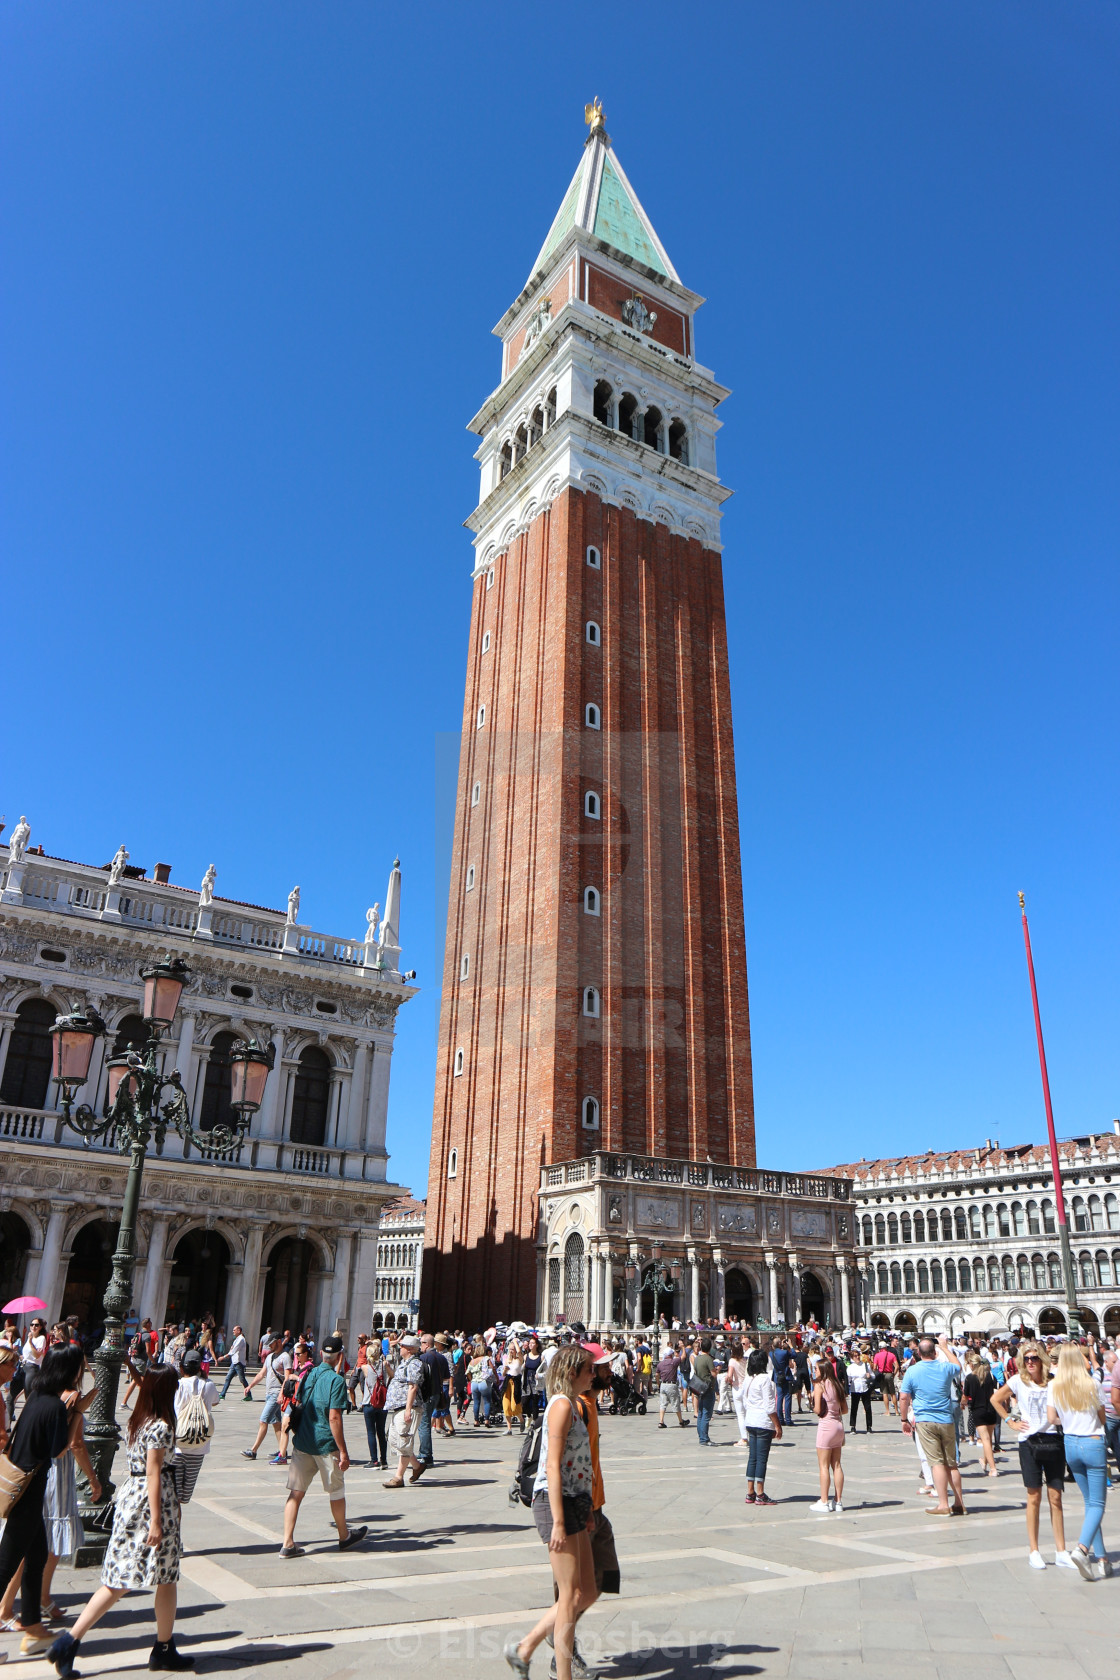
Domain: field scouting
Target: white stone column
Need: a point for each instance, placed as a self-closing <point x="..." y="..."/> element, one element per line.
<point x="377" y="1104"/>
<point x="153" y="1272"/>
<point x="49" y="1286"/>
<point x="356" y="1114"/>
<point x="845" y="1296"/>
<point x="694" y="1279"/>
<point x="339" y="1314"/>
<point x="6" y="1023"/>
<point x="252" y="1287"/>
<point x="365" y="1274"/>
<point x="268" y="1121"/>
<point x="772" y="1268"/>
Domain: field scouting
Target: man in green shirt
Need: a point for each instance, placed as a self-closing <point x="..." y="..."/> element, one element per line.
<point x="703" y="1371"/>
<point x="318" y="1444"/>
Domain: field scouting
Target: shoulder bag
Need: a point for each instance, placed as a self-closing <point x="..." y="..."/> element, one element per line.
<point x="14" y="1483"/>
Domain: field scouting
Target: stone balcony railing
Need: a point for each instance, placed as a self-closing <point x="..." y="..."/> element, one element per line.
<point x="152" y="907"/>
<point x="46" y="1126"/>
<point x="650" y="1170"/>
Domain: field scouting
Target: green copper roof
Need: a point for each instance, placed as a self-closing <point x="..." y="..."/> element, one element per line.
<point x="601" y="200"/>
<point x="618" y="223"/>
<point x="565" y="216"/>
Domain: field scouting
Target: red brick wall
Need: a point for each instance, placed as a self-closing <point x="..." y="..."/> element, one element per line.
<point x="608" y="293"/>
<point x="669" y="1057"/>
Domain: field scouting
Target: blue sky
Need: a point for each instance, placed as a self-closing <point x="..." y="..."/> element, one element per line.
<point x="252" y="257"/>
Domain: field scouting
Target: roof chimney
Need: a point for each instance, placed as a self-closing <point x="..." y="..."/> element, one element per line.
<point x="1116" y="1127"/>
<point x="162" y="874"/>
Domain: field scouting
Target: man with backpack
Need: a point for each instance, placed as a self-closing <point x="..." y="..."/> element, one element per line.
<point x="433" y="1384"/>
<point x="319" y="1446"/>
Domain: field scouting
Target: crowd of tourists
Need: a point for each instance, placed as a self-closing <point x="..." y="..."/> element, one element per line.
<point x="1058" y="1400"/>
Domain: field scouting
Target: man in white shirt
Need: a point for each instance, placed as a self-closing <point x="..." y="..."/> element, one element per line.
<point x="274" y="1370"/>
<point x="237" y="1355"/>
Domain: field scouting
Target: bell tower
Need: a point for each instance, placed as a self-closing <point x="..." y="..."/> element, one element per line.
<point x="595" y="984"/>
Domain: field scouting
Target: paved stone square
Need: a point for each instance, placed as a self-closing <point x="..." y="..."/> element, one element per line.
<point x="450" y="1569"/>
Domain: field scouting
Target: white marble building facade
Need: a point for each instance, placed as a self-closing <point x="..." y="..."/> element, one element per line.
<point x="285" y="1229"/>
<point x="970" y="1236"/>
<point x="400" y="1264"/>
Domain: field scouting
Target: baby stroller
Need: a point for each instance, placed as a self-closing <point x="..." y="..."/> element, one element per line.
<point x="625" y="1398"/>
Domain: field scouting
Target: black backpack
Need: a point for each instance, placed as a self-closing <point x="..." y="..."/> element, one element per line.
<point x="528" y="1463"/>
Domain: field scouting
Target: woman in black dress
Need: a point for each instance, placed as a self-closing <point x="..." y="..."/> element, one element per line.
<point x="979" y="1386"/>
<point x="40" y="1435"/>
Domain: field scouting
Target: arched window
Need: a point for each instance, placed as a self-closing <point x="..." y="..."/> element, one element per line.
<point x="993" y="1274"/>
<point x="989" y="1222"/>
<point x="217" y="1091"/>
<point x="965" y="1277"/>
<point x="923" y="1278"/>
<point x="1019" y="1219"/>
<point x="951" y="1276"/>
<point x="946" y="1225"/>
<point x="892" y="1229"/>
<point x="591" y="1002"/>
<point x="603" y="403"/>
<point x="1004" y="1220"/>
<point x="490" y="578"/>
<point x="896" y="1279"/>
<point x="506" y="459"/>
<point x="591" y="901"/>
<point x="1022" y="1265"/>
<point x="1038" y="1267"/>
<point x="311" y="1097"/>
<point x="883" y="1280"/>
<point x="1096" y="1214"/>
<point x="536" y="425"/>
<point x="591" y="715"/>
<point x="1080" y="1215"/>
<point x="591" y="805"/>
<point x="653" y="430"/>
<point x="974" y="1221"/>
<point x="678" y="441"/>
<point x="628" y="414"/>
<point x="1088" y="1276"/>
<point x="594" y="558"/>
<point x="868" y="1232"/>
<point x="453" y="1164"/>
<point x="961" y="1226"/>
<point x="935" y="1277"/>
<point x="486" y="642"/>
<point x="464" y="966"/>
<point x="476" y="793"/>
<point x="591" y="631"/>
<point x="27" y="1072"/>
<point x="1049" y="1218"/>
<point x="520" y="444"/>
<point x="906" y="1230"/>
<point x="1055" y="1267"/>
<point x="919" y="1227"/>
<point x="908" y="1275"/>
<point x="880" y="1230"/>
<point x="133" y="1033"/>
<point x="573" y="1278"/>
<point x="1112" y="1212"/>
<point x="470" y="877"/>
<point x="1034" y="1223"/>
<point x="590" y="1114"/>
<point x="550" y="409"/>
<point x="481" y="719"/>
<point x="458" y="1063"/>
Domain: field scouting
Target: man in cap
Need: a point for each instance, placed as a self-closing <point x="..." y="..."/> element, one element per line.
<point x="402" y="1405"/>
<point x="318" y="1444"/>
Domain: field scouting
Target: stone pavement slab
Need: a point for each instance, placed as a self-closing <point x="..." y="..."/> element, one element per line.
<point x="709" y="1584"/>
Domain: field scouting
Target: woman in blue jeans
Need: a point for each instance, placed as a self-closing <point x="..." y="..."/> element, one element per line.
<point x="758" y="1414"/>
<point x="481" y="1374"/>
<point x="1074" y="1400"/>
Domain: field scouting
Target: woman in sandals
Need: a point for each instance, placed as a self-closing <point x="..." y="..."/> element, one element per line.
<point x="562" y="1511"/>
<point x="757" y="1411"/>
<point x="1073" y="1399"/>
<point x="1041" y="1452"/>
<point x="977" y="1389"/>
<point x="830" y="1406"/>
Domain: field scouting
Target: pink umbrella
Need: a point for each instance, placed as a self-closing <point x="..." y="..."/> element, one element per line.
<point x="25" y="1304"/>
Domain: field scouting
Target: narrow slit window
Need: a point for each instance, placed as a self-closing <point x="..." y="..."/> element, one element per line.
<point x="590" y="1114"/>
<point x="453" y="1164"/>
<point x="470" y="877"/>
<point x="481" y="716"/>
<point x="590" y="716"/>
<point x="591" y="1002"/>
<point x="593" y="634"/>
<point x="458" y="1063"/>
<point x="476" y="793"/>
<point x="591" y="901"/>
<point x="591" y="805"/>
<point x="486" y="642"/>
<point x="490" y="578"/>
<point x="464" y="966"/>
<point x="594" y="558"/>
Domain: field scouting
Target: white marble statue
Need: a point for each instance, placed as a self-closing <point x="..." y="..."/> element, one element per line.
<point x="206" y="891"/>
<point x="17" y="845"/>
<point x="293" y="906"/>
<point x="116" y="868"/>
<point x="372" y="918"/>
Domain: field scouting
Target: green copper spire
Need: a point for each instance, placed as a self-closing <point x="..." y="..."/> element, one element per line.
<point x="601" y="201"/>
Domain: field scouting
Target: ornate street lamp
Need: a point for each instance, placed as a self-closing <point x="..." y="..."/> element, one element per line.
<point x="138" y="1112"/>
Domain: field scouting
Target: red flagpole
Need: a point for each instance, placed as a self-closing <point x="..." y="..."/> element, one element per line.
<point x="1055" y="1163"/>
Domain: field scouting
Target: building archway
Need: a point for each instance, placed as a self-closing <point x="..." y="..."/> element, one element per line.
<point x="739" y="1296"/>
<point x="1089" y="1320"/>
<point x="88" y="1274"/>
<point x="27" y="1069"/>
<point x="666" y="1303"/>
<point x="199" y="1277"/>
<point x="880" y="1321"/>
<point x="287" y="1293"/>
<point x="1051" y="1322"/>
<point x="813" y="1299"/>
<point x="1112" y="1321"/>
<point x="15" y="1241"/>
<point x="905" y="1321"/>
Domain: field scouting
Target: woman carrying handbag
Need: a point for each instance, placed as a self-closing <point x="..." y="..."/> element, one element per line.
<point x="41" y="1434"/>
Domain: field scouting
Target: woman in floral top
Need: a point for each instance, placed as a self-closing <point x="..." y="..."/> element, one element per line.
<point x="144" y="1550"/>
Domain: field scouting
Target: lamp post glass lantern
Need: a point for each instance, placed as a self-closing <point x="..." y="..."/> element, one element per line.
<point x="142" y="1104"/>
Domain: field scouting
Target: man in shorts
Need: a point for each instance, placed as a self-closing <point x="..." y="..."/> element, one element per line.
<point x="274" y="1369"/>
<point x="319" y="1446"/>
<point x="927" y="1388"/>
<point x="886" y="1367"/>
